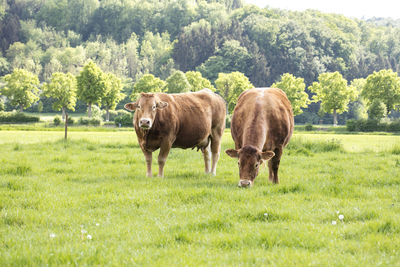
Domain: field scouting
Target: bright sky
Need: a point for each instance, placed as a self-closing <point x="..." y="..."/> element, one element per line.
<point x="349" y="8"/>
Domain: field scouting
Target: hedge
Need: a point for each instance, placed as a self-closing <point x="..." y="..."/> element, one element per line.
<point x="17" y="117"/>
<point x="372" y="126"/>
<point x="125" y="120"/>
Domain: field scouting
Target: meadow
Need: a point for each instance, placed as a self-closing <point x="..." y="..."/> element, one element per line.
<point x="87" y="202"/>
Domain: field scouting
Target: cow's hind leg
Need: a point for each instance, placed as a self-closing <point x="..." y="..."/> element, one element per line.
<point x="149" y="159"/>
<point x="207" y="158"/>
<point x="273" y="166"/>
<point x="215" y="148"/>
<point x="162" y="157"/>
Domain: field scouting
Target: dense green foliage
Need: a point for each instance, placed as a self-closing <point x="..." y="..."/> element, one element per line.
<point x="295" y="91"/>
<point x="383" y="87"/>
<point x="87" y="202"/>
<point x="230" y="86"/>
<point x="333" y="92"/>
<point x="372" y="125"/>
<point x="131" y="37"/>
<point x="21" y="88"/>
<point x="62" y="88"/>
<point x="91" y="85"/>
<point x="17" y="117"/>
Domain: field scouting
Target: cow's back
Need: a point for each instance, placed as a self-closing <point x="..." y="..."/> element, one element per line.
<point x="262" y="117"/>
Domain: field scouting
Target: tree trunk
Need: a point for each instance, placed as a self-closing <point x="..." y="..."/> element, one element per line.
<point x="21" y="108"/>
<point x="90" y="110"/>
<point x="66" y="125"/>
<point x="334" y="118"/>
<point x="107" y="115"/>
<point x="63" y="114"/>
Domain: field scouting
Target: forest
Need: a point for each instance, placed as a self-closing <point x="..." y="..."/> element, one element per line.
<point x="132" y="38"/>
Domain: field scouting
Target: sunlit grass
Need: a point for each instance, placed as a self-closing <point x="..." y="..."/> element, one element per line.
<point x="54" y="194"/>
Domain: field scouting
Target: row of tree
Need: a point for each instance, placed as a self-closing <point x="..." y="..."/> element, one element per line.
<point x="379" y="93"/>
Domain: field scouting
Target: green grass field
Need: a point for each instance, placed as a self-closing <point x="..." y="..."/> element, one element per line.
<point x="88" y="202"/>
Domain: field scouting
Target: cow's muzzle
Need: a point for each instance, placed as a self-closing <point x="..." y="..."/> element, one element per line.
<point x="245" y="183"/>
<point x="145" y="123"/>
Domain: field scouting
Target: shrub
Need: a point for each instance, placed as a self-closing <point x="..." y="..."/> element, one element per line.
<point x="96" y="112"/>
<point x="372" y="125"/>
<point x="351" y="125"/>
<point x="2" y="106"/>
<point x="377" y="110"/>
<point x="308" y="127"/>
<point x="124" y="120"/>
<point x="16" y="117"/>
<point x="89" y="121"/>
<point x="57" y="120"/>
<point x="228" y="121"/>
<point x="114" y="114"/>
<point x="71" y="121"/>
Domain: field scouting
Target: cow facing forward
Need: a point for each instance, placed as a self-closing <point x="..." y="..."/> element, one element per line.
<point x="187" y="120"/>
<point x="262" y="124"/>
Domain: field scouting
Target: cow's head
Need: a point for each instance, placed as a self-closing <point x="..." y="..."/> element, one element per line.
<point x="146" y="109"/>
<point x="249" y="161"/>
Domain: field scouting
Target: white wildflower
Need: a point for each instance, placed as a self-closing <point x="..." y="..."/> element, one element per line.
<point x="52" y="235"/>
<point x="83" y="231"/>
<point x="341" y="217"/>
<point x="97" y="224"/>
<point x="333" y="222"/>
<point x="266" y="214"/>
<point x="89" y="237"/>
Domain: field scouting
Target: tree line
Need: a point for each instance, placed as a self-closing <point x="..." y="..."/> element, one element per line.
<point x="378" y="94"/>
<point x="132" y="39"/>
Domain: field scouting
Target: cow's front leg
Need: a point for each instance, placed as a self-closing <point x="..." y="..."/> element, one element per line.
<point x="149" y="158"/>
<point x="162" y="157"/>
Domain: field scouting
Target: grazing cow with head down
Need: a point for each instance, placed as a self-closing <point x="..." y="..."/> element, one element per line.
<point x="262" y="124"/>
<point x="186" y="120"/>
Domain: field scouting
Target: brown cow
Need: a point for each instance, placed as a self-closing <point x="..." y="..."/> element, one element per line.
<point x="262" y="124"/>
<point x="186" y="120"/>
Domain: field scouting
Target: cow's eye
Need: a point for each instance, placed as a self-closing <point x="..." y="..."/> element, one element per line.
<point x="238" y="163"/>
<point x="154" y="107"/>
<point x="138" y="107"/>
<point x="256" y="165"/>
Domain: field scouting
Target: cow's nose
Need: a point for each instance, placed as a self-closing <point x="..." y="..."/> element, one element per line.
<point x="244" y="183"/>
<point x="144" y="122"/>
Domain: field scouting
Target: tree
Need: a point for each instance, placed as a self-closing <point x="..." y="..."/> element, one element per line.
<point x="231" y="57"/>
<point x="295" y="91"/>
<point x="21" y="88"/>
<point x="148" y="83"/>
<point x="333" y="92"/>
<point x="177" y="83"/>
<point x="357" y="108"/>
<point x="62" y="89"/>
<point x="383" y="86"/>
<point x="376" y="110"/>
<point x="91" y="86"/>
<point x="230" y="86"/>
<point x="197" y="82"/>
<point x="112" y="93"/>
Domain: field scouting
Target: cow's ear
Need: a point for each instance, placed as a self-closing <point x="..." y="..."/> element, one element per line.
<point x="162" y="104"/>
<point x="232" y="153"/>
<point x="267" y="155"/>
<point x="131" y="106"/>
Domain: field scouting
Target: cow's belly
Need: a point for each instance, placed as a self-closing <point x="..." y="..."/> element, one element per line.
<point x="196" y="139"/>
